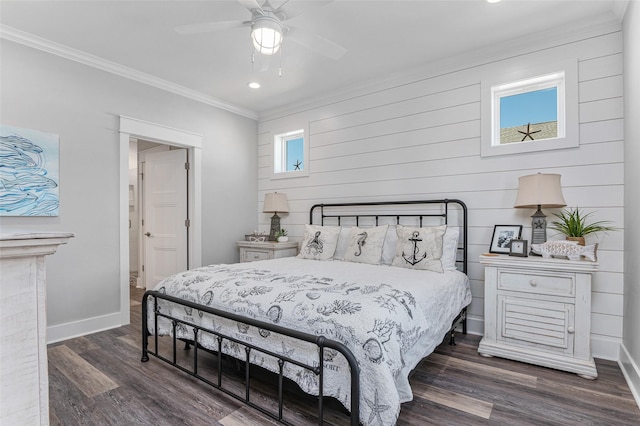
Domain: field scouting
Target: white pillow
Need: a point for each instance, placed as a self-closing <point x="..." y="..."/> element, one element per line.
<point x="450" y="248"/>
<point x="343" y="242"/>
<point x="365" y="245"/>
<point x="389" y="247"/>
<point x="419" y="248"/>
<point x="319" y="242"/>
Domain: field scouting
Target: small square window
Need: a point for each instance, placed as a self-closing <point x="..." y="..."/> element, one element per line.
<point x="529" y="110"/>
<point x="290" y="153"/>
<point x="531" y="114"/>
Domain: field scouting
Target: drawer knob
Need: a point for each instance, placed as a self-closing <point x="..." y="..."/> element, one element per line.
<point x="533" y="283"/>
<point x="571" y="329"/>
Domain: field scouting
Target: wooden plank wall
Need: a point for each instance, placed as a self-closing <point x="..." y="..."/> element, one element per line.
<point x="418" y="137"/>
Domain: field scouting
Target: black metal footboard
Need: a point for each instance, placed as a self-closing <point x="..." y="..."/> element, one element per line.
<point x="320" y="341"/>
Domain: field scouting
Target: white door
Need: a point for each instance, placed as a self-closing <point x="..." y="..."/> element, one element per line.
<point x="165" y="215"/>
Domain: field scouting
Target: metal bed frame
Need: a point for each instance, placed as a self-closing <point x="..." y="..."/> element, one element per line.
<point x="327" y="213"/>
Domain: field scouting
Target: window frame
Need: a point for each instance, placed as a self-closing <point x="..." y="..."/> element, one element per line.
<point x="563" y="76"/>
<point x="279" y="143"/>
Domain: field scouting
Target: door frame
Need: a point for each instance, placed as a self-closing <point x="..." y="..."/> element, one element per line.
<point x="140" y="129"/>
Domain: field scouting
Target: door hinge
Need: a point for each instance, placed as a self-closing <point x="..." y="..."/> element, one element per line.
<point x="142" y="268"/>
<point x="187" y="166"/>
<point x="142" y="222"/>
<point x="187" y="223"/>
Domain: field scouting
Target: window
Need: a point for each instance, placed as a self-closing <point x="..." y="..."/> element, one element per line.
<point x="529" y="110"/>
<point x="531" y="114"/>
<point x="290" y="154"/>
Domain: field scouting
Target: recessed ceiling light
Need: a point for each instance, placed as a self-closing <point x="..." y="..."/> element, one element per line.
<point x="254" y="85"/>
<point x="493" y="1"/>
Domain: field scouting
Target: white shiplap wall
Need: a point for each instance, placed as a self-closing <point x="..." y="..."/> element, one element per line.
<point x="419" y="138"/>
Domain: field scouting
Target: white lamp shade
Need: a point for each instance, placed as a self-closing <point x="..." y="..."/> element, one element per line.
<point x="275" y="202"/>
<point x="266" y="35"/>
<point x="542" y="189"/>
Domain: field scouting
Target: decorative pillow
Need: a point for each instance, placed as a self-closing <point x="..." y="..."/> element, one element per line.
<point x="389" y="247"/>
<point x="319" y="242"/>
<point x="365" y="245"/>
<point x="419" y="248"/>
<point x="343" y="243"/>
<point x="450" y="248"/>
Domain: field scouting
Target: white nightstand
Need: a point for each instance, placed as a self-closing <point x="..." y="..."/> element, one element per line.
<point x="538" y="311"/>
<point x="250" y="251"/>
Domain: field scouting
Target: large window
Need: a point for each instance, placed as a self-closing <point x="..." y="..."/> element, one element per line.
<point x="531" y="114"/>
<point x="290" y="154"/>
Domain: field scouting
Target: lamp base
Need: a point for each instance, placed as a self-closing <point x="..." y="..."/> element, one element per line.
<point x="275" y="227"/>
<point x="538" y="227"/>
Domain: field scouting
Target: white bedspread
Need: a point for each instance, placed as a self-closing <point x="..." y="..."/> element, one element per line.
<point x="389" y="317"/>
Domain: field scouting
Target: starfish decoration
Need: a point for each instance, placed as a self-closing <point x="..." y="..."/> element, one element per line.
<point x="376" y="408"/>
<point x="528" y="133"/>
<point x="297" y="165"/>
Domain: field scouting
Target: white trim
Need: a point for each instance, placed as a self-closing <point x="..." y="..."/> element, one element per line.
<point x="277" y="152"/>
<point x="140" y="129"/>
<point x="495" y="53"/>
<point x="605" y="347"/>
<point x="69" y="330"/>
<point x="522" y="74"/>
<point x="26" y="39"/>
<point x="631" y="373"/>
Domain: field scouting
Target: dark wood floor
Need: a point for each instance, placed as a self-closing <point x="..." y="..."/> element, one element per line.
<point x="99" y="380"/>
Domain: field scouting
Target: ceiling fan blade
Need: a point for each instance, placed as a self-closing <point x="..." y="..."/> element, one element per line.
<point x="316" y="43"/>
<point x="208" y="27"/>
<point x="252" y="5"/>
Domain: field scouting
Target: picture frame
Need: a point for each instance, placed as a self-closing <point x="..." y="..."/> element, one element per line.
<point x="502" y="236"/>
<point x="518" y="247"/>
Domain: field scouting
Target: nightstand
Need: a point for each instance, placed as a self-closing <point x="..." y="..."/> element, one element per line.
<point x="538" y="311"/>
<point x="250" y="251"/>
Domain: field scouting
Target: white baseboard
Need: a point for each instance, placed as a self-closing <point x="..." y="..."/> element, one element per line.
<point x="603" y="347"/>
<point x="631" y="372"/>
<point x="57" y="333"/>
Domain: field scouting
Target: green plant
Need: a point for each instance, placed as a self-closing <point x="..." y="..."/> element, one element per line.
<point x="281" y="233"/>
<point x="572" y="223"/>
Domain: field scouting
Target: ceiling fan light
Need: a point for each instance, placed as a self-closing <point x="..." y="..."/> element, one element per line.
<point x="266" y="35"/>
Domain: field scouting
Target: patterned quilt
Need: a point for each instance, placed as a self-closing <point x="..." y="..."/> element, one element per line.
<point x="389" y="317"/>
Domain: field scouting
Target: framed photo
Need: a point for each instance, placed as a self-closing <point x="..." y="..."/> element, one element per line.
<point x="502" y="236"/>
<point x="518" y="248"/>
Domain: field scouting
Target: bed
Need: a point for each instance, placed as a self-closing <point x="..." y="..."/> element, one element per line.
<point x="375" y="288"/>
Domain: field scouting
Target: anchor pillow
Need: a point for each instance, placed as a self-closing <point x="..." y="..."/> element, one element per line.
<point x="365" y="245"/>
<point x="319" y="242"/>
<point x="419" y="248"/>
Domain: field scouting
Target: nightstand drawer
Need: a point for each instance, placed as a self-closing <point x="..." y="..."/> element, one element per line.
<point x="251" y="255"/>
<point x="555" y="285"/>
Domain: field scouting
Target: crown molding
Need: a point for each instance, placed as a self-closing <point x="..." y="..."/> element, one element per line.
<point x="35" y="42"/>
<point x="478" y="57"/>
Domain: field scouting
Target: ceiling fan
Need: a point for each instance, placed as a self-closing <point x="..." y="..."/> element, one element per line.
<point x="268" y="30"/>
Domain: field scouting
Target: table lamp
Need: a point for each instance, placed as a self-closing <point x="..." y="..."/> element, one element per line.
<point x="537" y="191"/>
<point x="273" y="203"/>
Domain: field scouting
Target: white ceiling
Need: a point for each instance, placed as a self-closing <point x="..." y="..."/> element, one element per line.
<point x="382" y="38"/>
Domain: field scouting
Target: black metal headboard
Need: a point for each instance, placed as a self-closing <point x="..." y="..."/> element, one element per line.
<point x="398" y="213"/>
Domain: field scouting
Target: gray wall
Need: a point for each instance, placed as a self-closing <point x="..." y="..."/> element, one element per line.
<point x="630" y="355"/>
<point x="418" y="137"/>
<point x="82" y="105"/>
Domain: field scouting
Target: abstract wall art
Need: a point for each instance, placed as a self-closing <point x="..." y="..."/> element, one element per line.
<point x="29" y="174"/>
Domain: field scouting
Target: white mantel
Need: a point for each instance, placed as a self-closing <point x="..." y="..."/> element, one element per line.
<point x="24" y="383"/>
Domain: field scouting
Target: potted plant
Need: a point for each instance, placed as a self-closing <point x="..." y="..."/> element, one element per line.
<point x="281" y="236"/>
<point x="573" y="224"/>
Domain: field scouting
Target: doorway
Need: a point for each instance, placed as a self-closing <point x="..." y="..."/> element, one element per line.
<point x="158" y="214"/>
<point x="131" y="128"/>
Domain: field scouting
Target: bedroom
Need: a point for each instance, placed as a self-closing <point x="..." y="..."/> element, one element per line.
<point x="82" y="104"/>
